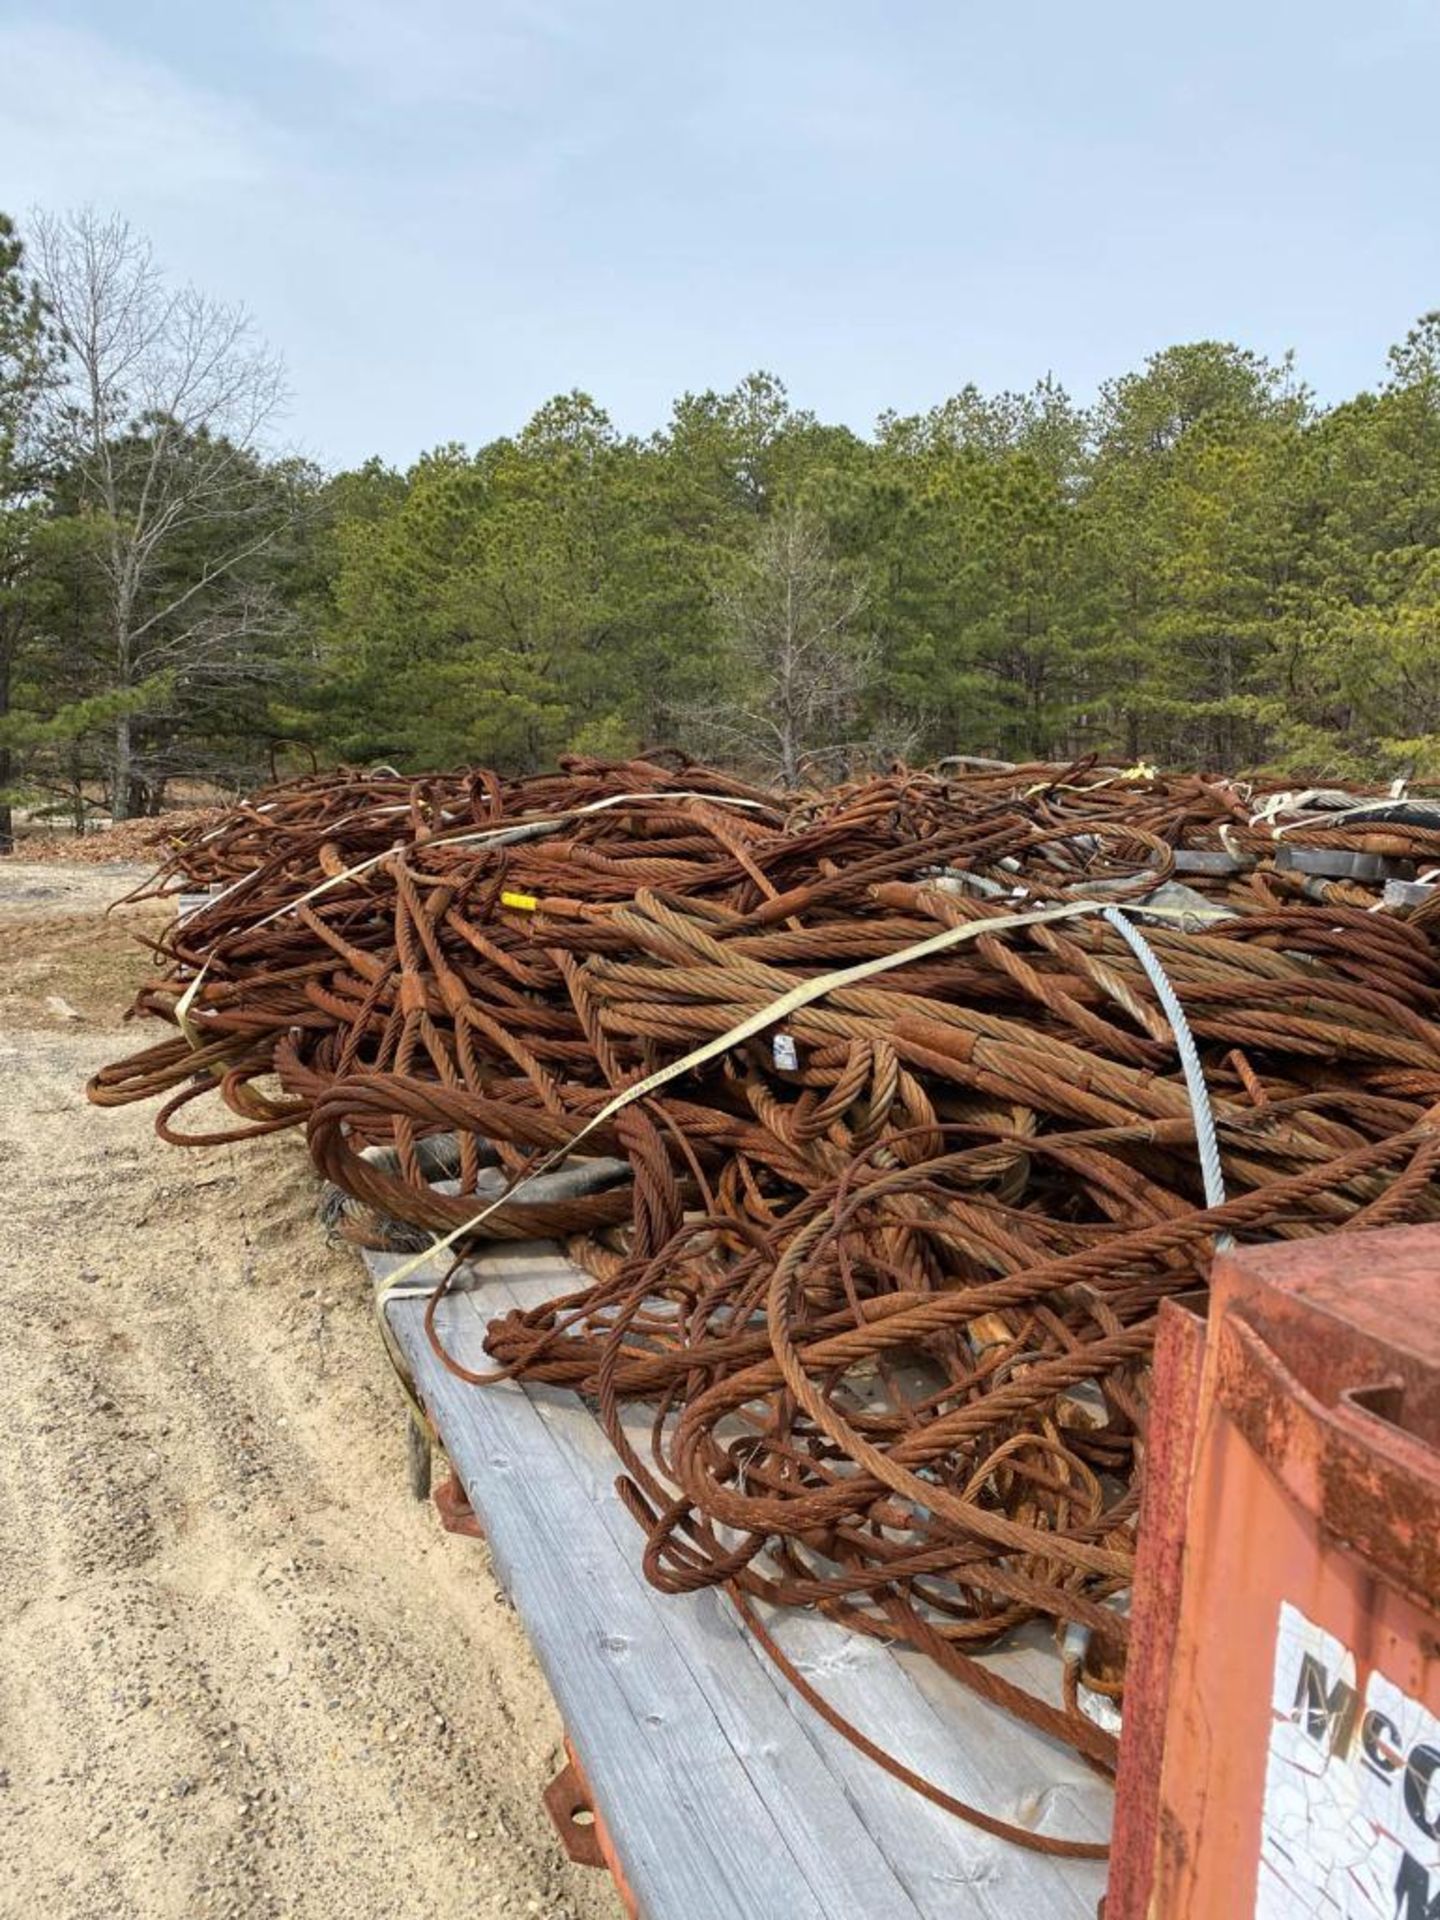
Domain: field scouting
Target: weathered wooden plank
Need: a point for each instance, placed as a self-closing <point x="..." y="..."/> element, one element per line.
<point x="969" y="1749"/>
<point x="709" y="1815"/>
<point x="735" y="1674"/>
<point x="846" y="1822"/>
<point x="908" y="1705"/>
<point x="946" y="1732"/>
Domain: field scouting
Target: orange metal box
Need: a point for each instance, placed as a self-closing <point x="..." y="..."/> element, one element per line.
<point x="1296" y="1674"/>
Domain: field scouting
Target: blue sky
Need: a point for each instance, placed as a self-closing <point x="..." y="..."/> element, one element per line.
<point x="441" y="213"/>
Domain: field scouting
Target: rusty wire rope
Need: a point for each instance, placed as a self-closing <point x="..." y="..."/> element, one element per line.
<point x="868" y="1299"/>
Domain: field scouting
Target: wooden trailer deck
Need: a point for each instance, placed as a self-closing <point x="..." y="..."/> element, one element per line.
<point x="724" y="1795"/>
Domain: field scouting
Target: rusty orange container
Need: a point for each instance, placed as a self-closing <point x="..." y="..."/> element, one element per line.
<point x="1281" y="1753"/>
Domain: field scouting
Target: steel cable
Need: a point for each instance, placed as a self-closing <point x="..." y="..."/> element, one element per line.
<point x="868" y="1308"/>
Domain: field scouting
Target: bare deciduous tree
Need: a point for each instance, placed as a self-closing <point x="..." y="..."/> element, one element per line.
<point x="160" y="421"/>
<point x="799" y="661"/>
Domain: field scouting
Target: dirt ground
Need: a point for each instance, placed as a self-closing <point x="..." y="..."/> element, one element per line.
<point x="242" y="1672"/>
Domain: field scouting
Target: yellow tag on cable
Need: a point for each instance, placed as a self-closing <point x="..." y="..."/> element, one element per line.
<point x="522" y="902"/>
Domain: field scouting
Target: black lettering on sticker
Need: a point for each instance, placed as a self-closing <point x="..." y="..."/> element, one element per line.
<point x="1419" y="1771"/>
<point x="1413" y="1900"/>
<point x="1379" y="1742"/>
<point x="1326" y="1713"/>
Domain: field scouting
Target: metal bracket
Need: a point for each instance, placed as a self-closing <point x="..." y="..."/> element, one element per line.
<point x="454" y="1508"/>
<point x="567" y="1799"/>
<point x="571" y="1805"/>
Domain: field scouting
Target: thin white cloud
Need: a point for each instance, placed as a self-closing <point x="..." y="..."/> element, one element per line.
<point x="85" y="121"/>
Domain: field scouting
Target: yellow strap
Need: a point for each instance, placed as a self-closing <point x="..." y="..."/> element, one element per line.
<point x="798" y="996"/>
<point x="182" y="1010"/>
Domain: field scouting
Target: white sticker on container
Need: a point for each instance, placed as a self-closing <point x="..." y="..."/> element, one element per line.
<point x="1350" y="1824"/>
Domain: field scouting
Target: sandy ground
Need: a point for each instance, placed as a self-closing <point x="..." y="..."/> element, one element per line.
<point x="242" y="1672"/>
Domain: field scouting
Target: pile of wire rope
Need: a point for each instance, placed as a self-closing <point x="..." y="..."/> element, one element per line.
<point x="880" y="1120"/>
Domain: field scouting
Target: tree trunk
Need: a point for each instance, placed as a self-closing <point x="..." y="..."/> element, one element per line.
<point x="790" y="757"/>
<point x="75" y="791"/>
<point x="120" y="775"/>
<point x="7" y="760"/>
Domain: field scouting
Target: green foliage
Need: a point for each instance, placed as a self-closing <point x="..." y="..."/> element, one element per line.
<point x="1203" y="567"/>
<point x="27" y="362"/>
